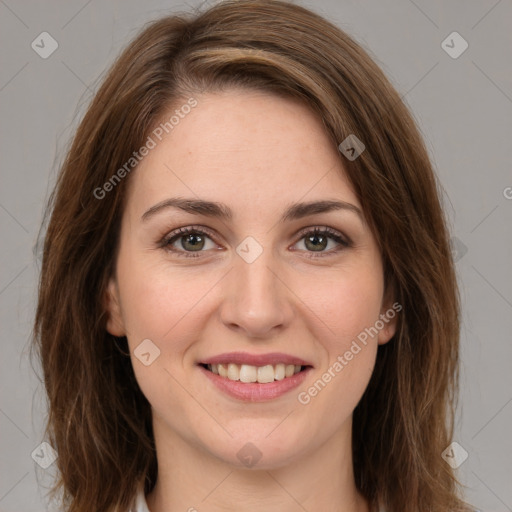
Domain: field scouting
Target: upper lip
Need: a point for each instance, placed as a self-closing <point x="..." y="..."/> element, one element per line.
<point x="239" y="358"/>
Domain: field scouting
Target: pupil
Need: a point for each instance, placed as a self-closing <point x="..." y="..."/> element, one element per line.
<point x="197" y="242"/>
<point x="314" y="240"/>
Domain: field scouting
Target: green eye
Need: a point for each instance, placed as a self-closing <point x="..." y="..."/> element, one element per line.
<point x="189" y="240"/>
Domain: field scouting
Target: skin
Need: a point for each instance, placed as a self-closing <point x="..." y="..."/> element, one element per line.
<point x="273" y="152"/>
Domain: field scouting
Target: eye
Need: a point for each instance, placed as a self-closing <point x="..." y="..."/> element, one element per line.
<point x="319" y="239"/>
<point x="189" y="240"/>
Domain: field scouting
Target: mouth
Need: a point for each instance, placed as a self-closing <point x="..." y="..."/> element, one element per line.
<point x="269" y="377"/>
<point x="250" y="374"/>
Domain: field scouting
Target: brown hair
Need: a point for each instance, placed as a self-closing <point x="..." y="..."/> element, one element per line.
<point x="99" y="421"/>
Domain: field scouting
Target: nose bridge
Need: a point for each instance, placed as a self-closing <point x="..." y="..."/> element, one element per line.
<point x="257" y="300"/>
<point x="257" y="280"/>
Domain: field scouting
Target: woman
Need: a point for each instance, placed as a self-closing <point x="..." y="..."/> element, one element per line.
<point x="247" y="297"/>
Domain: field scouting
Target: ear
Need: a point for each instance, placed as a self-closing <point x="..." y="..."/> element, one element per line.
<point x="115" y="324"/>
<point x="388" y="316"/>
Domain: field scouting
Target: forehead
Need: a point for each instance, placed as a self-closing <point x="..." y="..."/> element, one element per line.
<point x="245" y="146"/>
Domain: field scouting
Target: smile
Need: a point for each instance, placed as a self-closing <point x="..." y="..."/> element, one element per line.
<point x="255" y="391"/>
<point x="248" y="373"/>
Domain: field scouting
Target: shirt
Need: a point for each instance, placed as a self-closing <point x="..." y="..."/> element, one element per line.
<point x="140" y="502"/>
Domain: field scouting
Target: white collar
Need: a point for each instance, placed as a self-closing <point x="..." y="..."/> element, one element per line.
<point x="140" y="502"/>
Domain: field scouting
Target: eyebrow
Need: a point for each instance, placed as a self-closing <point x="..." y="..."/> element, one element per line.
<point x="221" y="211"/>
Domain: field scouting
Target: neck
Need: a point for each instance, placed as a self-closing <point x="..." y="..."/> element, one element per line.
<point x="190" y="479"/>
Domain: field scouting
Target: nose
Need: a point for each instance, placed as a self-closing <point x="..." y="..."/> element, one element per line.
<point x="256" y="301"/>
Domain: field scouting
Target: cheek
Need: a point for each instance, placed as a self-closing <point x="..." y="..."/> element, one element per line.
<point x="165" y="306"/>
<point x="349" y="351"/>
<point x="159" y="301"/>
<point x="342" y="310"/>
<point x="355" y="306"/>
<point x="344" y="302"/>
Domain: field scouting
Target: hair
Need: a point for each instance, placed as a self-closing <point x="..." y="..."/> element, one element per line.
<point x="98" y="420"/>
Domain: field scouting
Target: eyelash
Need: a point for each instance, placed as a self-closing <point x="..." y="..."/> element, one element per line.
<point x="168" y="240"/>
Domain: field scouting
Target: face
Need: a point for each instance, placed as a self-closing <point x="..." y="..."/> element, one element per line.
<point x="265" y="290"/>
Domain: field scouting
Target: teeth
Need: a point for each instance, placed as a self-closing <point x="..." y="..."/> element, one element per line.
<point x="233" y="372"/>
<point x="249" y="373"/>
<point x="280" y="371"/>
<point x="265" y="373"/>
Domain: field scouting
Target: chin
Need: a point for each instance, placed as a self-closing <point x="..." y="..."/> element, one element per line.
<point x="259" y="452"/>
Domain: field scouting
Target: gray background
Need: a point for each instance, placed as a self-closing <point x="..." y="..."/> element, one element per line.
<point x="463" y="107"/>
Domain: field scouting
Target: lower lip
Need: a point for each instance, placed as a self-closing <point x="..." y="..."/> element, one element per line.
<point x="254" y="391"/>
